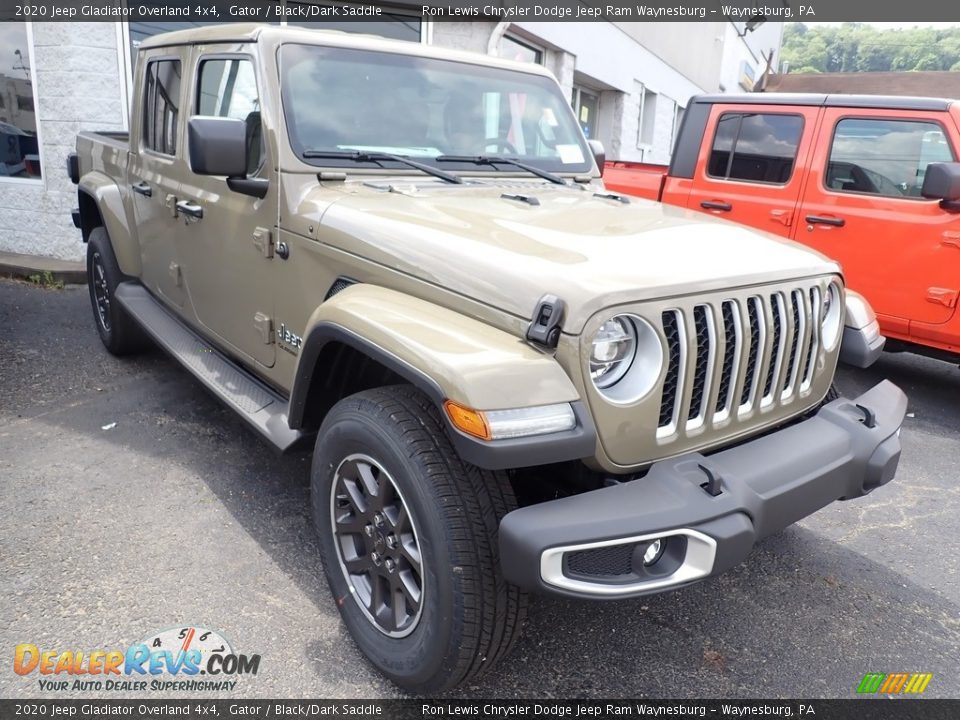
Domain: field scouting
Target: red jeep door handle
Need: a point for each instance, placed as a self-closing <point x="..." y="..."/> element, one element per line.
<point x="821" y="220"/>
<point x="716" y="205"/>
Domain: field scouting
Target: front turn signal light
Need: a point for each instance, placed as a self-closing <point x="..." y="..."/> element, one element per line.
<point x="472" y="422"/>
<point x="511" y="423"/>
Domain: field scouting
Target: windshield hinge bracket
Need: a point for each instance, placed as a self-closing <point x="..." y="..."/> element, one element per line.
<point x="263" y="241"/>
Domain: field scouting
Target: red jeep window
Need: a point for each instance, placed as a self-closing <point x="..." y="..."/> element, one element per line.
<point x="757" y="147"/>
<point x="884" y="157"/>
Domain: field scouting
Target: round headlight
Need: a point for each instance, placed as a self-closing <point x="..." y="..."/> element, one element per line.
<point x="831" y="319"/>
<point x="626" y="356"/>
<point x="614" y="347"/>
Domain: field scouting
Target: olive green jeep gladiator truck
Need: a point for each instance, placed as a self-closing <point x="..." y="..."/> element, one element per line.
<point x="512" y="380"/>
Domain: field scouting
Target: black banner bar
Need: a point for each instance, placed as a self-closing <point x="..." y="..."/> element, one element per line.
<point x="220" y="11"/>
<point x="859" y="709"/>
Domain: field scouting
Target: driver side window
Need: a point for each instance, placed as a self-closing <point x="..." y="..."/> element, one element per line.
<point x="227" y="87"/>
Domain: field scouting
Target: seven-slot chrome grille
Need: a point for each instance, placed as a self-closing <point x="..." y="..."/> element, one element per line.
<point x="728" y="360"/>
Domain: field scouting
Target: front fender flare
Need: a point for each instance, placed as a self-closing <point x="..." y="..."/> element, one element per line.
<point x="449" y="357"/>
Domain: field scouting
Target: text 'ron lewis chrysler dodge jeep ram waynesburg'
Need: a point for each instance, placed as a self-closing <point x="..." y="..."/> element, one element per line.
<point x="512" y="380"/>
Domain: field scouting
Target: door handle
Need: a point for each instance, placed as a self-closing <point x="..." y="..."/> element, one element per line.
<point x="189" y="208"/>
<point x="821" y="220"/>
<point x="716" y="205"/>
<point x="142" y="189"/>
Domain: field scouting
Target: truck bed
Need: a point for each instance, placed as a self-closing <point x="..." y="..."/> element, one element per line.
<point x="104" y="151"/>
<point x="633" y="178"/>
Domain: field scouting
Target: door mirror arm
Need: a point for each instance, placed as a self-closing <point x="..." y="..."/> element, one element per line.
<point x="254" y="187"/>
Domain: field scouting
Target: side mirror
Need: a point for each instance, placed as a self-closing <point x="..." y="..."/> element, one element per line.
<point x="941" y="181"/>
<point x="599" y="154"/>
<point x="218" y="146"/>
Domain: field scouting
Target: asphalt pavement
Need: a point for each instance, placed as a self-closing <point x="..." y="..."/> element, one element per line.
<point x="131" y="501"/>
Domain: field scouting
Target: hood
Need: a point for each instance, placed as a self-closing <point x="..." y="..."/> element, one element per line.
<point x="592" y="252"/>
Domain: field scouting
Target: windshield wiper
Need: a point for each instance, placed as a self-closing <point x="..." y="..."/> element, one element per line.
<point x="500" y="160"/>
<point x="360" y="156"/>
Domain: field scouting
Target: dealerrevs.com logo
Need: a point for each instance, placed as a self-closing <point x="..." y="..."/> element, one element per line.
<point x="183" y="658"/>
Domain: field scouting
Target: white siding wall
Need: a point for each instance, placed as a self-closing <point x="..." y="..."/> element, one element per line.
<point x="749" y="49"/>
<point x="77" y="87"/>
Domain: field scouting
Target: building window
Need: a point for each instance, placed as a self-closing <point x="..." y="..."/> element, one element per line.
<point x="586" y="106"/>
<point x="678" y="111"/>
<point x="757" y="147"/>
<point x="884" y="157"/>
<point x="647" y="118"/>
<point x="228" y="88"/>
<point x="19" y="146"/>
<point x="161" y="106"/>
<point x="513" y="49"/>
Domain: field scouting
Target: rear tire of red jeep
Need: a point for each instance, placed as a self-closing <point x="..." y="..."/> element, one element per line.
<point x="119" y="333"/>
<point x="408" y="540"/>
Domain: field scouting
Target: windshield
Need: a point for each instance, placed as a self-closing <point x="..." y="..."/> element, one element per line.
<point x="339" y="99"/>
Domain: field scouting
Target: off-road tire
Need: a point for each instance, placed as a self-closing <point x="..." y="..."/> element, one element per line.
<point x="470" y="616"/>
<point x="119" y="333"/>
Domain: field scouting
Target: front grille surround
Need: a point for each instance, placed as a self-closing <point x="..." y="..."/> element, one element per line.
<point x="707" y="398"/>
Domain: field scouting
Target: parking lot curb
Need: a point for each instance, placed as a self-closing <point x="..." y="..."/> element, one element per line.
<point x="42" y="269"/>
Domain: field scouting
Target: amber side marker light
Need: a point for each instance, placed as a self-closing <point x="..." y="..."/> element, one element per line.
<point x="511" y="423"/>
<point x="472" y="422"/>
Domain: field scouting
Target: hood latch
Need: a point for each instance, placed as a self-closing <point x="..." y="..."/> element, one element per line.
<point x="547" y="320"/>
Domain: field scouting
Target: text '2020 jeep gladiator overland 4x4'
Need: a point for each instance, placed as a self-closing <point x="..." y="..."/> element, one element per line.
<point x="513" y="380"/>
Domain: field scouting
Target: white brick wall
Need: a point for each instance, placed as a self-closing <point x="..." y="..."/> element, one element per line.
<point x="625" y="143"/>
<point x="76" y="80"/>
<point x="473" y="36"/>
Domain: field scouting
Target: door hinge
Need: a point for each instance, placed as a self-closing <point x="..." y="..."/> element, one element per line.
<point x="263" y="241"/>
<point x="176" y="274"/>
<point x="170" y="201"/>
<point x="264" y="326"/>
<point x="943" y="296"/>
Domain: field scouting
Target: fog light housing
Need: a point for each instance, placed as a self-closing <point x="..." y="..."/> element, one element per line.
<point x="654" y="552"/>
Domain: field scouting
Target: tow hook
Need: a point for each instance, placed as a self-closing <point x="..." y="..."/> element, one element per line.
<point x="713" y="485"/>
<point x="869" y="416"/>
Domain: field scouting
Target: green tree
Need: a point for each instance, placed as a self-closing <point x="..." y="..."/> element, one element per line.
<point x="857" y="47"/>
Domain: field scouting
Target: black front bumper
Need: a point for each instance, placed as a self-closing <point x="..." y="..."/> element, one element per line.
<point x="592" y="545"/>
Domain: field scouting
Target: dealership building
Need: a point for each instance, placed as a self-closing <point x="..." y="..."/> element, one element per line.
<point x="628" y="84"/>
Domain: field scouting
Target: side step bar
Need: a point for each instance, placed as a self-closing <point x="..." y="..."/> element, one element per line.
<point x="260" y="407"/>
